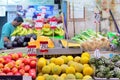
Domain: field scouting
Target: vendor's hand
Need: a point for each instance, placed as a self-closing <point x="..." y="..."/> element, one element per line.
<point x="6" y="39"/>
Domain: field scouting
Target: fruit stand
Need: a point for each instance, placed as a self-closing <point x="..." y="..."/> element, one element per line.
<point x="40" y="50"/>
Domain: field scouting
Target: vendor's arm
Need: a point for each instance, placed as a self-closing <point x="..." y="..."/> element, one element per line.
<point x="6" y="32"/>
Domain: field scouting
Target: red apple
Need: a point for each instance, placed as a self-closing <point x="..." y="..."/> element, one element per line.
<point x="18" y="63"/>
<point x="7" y="60"/>
<point x="2" y="73"/>
<point x="33" y="64"/>
<point x="14" y="56"/>
<point x="11" y="64"/>
<point x="26" y="61"/>
<point x="1" y="70"/>
<point x="9" y="73"/>
<point x="2" y="60"/>
<point x="27" y="68"/>
<point x="33" y="59"/>
<point x="32" y="73"/>
<point x="14" y="70"/>
<point x="1" y="65"/>
<point x="20" y="54"/>
<point x="18" y="73"/>
<point x="20" y="66"/>
<point x="6" y="69"/>
<point x="22" y="71"/>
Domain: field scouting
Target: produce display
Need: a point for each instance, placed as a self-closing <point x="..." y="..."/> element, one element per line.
<point x="90" y="40"/>
<point x="65" y="68"/>
<point x="18" y="64"/>
<point x="107" y="67"/>
<point x="45" y="31"/>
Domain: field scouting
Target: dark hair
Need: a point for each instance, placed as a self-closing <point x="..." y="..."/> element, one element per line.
<point x="18" y="19"/>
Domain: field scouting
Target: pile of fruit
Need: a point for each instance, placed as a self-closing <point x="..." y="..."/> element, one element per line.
<point x="45" y="31"/>
<point x="18" y="64"/>
<point x="107" y="67"/>
<point x="90" y="40"/>
<point x="65" y="68"/>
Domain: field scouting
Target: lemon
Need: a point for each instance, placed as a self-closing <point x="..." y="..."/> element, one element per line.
<point x="70" y="70"/>
<point x="52" y="60"/>
<point x="41" y="63"/>
<point x="59" y="61"/>
<point x="70" y="58"/>
<point x="40" y="78"/>
<point x="88" y="71"/>
<point x="77" y="59"/>
<point x="63" y="75"/>
<point x="86" y="65"/>
<point x="85" y="54"/>
<point x="87" y="77"/>
<point x="78" y="75"/>
<point x="84" y="60"/>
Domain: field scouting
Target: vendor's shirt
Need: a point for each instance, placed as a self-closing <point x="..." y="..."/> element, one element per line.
<point x="7" y="29"/>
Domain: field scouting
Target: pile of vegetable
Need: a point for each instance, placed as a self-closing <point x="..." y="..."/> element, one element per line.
<point x="114" y="40"/>
<point x="106" y="67"/>
<point x="90" y="40"/>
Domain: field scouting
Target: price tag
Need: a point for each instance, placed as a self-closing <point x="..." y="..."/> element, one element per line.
<point x="31" y="50"/>
<point x="44" y="46"/>
<point x="53" y="23"/>
<point x="97" y="53"/>
<point x="38" y="25"/>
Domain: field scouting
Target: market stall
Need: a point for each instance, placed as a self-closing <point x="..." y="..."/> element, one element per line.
<point x="50" y="46"/>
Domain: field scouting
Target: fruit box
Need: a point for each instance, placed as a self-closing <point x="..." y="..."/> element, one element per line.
<point x="15" y="77"/>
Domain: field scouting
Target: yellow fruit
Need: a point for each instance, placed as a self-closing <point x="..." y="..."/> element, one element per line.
<point x="46" y="70"/>
<point x="59" y="61"/>
<point x="70" y="58"/>
<point x="64" y="67"/>
<point x="88" y="71"/>
<point x="87" y="77"/>
<point x="63" y="75"/>
<point x="78" y="67"/>
<point x="70" y="77"/>
<point x="52" y="60"/>
<point x="65" y="59"/>
<point x="70" y="63"/>
<point x="51" y="65"/>
<point x="40" y="74"/>
<point x="84" y="60"/>
<point x="55" y="76"/>
<point x="70" y="70"/>
<point x="78" y="75"/>
<point x="56" y="70"/>
<point x="86" y="65"/>
<point x="45" y="75"/>
<point x="41" y="63"/>
<point x="86" y="54"/>
<point x="43" y="59"/>
<point x="77" y="59"/>
<point x="40" y="78"/>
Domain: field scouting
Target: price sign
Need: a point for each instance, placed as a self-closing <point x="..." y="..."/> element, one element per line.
<point x="44" y="46"/>
<point x="97" y="53"/>
<point x="38" y="24"/>
<point x="31" y="50"/>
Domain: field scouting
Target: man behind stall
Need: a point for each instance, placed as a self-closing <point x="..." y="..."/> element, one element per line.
<point x="8" y="29"/>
